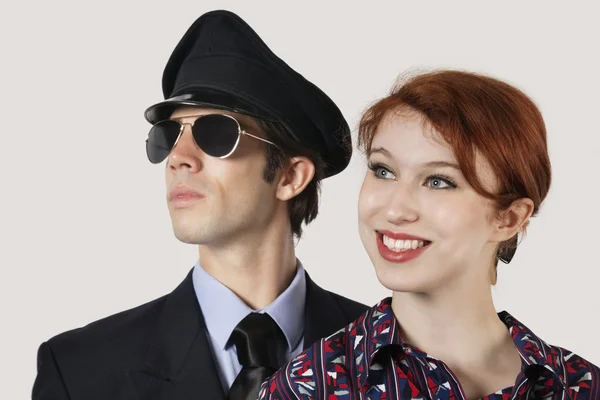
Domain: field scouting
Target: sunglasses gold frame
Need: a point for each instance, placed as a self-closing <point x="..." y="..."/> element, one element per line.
<point x="191" y="124"/>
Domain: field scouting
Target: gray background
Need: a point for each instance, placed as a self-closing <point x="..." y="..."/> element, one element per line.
<point x="84" y="227"/>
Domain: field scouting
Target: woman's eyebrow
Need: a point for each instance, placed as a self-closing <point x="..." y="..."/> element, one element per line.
<point x="382" y="151"/>
<point x="432" y="164"/>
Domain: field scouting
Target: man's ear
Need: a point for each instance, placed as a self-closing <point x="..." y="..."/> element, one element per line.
<point x="296" y="174"/>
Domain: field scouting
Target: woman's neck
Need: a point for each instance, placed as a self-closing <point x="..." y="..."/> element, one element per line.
<point x="443" y="323"/>
<point x="461" y="328"/>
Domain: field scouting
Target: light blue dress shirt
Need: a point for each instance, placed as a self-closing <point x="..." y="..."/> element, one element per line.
<point x="223" y="310"/>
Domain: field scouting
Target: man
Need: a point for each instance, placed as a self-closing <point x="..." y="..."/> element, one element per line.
<point x="246" y="140"/>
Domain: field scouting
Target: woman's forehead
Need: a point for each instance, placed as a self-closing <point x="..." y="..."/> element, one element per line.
<point x="410" y="136"/>
<point x="412" y="142"/>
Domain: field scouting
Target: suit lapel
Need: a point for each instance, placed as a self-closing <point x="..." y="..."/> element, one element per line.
<point x="323" y="315"/>
<point x="179" y="364"/>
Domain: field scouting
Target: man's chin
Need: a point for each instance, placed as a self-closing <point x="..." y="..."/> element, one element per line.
<point x="188" y="239"/>
<point x="186" y="233"/>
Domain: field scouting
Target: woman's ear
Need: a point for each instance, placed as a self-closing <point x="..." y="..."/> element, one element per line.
<point x="512" y="220"/>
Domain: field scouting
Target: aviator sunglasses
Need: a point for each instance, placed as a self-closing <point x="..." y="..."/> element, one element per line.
<point x="217" y="135"/>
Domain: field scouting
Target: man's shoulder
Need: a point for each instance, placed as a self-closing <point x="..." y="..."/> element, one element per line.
<point x="96" y="357"/>
<point x="110" y="335"/>
<point x="353" y="309"/>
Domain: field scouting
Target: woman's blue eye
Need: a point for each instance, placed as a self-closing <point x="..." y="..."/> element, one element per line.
<point x="380" y="171"/>
<point x="383" y="173"/>
<point x="437" y="182"/>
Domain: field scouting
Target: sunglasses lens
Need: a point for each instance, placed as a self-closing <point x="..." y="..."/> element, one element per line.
<point x="216" y="134"/>
<point x="161" y="139"/>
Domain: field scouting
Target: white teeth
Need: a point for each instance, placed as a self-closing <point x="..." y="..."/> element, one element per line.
<point x="402" y="245"/>
<point x="398" y="245"/>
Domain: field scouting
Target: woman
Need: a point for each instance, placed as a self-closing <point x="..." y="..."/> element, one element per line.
<point x="458" y="164"/>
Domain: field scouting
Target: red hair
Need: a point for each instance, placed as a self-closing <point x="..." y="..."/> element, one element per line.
<point x="476" y="114"/>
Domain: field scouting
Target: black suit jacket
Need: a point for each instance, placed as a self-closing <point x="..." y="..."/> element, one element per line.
<point x="159" y="350"/>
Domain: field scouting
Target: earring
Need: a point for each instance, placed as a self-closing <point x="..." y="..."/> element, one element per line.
<point x="506" y="254"/>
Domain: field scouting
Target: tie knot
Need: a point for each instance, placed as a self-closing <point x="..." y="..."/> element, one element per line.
<point x="257" y="339"/>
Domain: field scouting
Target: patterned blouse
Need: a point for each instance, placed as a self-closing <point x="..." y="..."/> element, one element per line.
<point x="369" y="360"/>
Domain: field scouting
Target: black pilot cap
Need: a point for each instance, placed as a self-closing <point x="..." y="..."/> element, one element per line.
<point x="221" y="62"/>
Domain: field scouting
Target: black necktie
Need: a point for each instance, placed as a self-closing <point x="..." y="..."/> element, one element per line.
<point x="257" y="339"/>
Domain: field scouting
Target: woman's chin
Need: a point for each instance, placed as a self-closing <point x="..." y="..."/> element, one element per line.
<point x="402" y="281"/>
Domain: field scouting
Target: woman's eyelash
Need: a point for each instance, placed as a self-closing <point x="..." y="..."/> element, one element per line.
<point x="443" y="178"/>
<point x="374" y="167"/>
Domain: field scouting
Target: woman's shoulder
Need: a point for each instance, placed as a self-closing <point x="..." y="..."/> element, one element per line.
<point x="303" y="375"/>
<point x="578" y="374"/>
<point x="325" y="365"/>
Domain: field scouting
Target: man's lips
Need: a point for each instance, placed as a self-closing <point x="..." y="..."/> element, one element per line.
<point x="182" y="196"/>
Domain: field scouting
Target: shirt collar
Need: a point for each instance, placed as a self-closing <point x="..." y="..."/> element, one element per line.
<point x="213" y="297"/>
<point x="371" y="332"/>
<point x="288" y="309"/>
<point x="377" y="329"/>
<point x="533" y="350"/>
